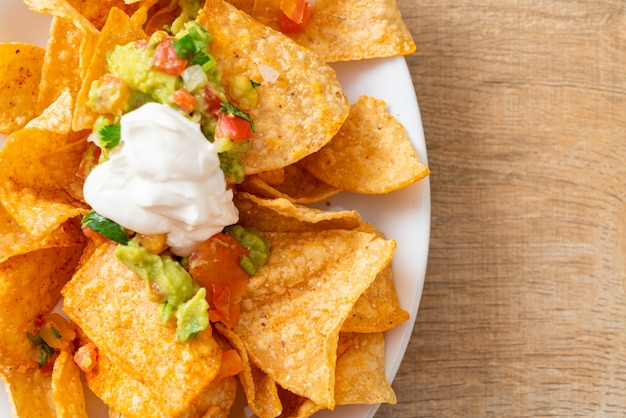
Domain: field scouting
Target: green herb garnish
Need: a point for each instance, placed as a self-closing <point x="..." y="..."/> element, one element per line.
<point x="42" y="350"/>
<point x="193" y="45"/>
<point x="105" y="227"/>
<point x="231" y="109"/>
<point x="109" y="135"/>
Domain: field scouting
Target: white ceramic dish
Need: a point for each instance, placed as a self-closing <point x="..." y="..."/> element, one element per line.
<point x="403" y="215"/>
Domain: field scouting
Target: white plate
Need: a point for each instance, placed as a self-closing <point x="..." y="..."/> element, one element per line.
<point x="403" y="215"/>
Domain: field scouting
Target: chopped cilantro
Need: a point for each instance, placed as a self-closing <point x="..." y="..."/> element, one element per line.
<point x="109" y="135"/>
<point x="193" y="46"/>
<point x="56" y="332"/>
<point x="105" y="227"/>
<point x="231" y="109"/>
<point x="43" y="351"/>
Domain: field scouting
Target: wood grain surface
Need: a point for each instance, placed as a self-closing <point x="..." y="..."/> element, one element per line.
<point x="524" y="306"/>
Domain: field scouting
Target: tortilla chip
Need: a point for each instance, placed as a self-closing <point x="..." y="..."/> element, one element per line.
<point x="140" y="16"/>
<point x="20" y="74"/>
<point x="296" y="114"/>
<point x="371" y="154"/>
<point x="66" y="10"/>
<point x="56" y="118"/>
<point x="32" y="197"/>
<point x="298" y="186"/>
<point x="118" y="30"/>
<point x="302" y="187"/>
<point x="62" y="9"/>
<point x="260" y="390"/>
<point x="38" y="211"/>
<point x="67" y="388"/>
<point x="30" y="286"/>
<point x="30" y="393"/>
<point x="360" y="374"/>
<point x="120" y="391"/>
<point x="280" y="215"/>
<point x="155" y="16"/>
<point x="378" y="309"/>
<point x="61" y="64"/>
<point x="62" y="165"/>
<point x="16" y="241"/>
<point x="295" y="305"/>
<point x="97" y="12"/>
<point x="295" y="406"/>
<point x="217" y="400"/>
<point x="243" y="5"/>
<point x="347" y="30"/>
<point x="108" y="302"/>
<point x="127" y="397"/>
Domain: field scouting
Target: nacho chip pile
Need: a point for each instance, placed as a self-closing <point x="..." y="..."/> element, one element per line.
<point x="310" y="330"/>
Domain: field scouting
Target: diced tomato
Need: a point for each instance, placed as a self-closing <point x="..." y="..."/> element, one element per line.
<point x="293" y="9"/>
<point x="211" y="99"/>
<point x="216" y="261"/>
<point x="233" y="127"/>
<point x="90" y="233"/>
<point x="111" y="95"/>
<point x="231" y="319"/>
<point x="215" y="266"/>
<point x="221" y="299"/>
<point x="39" y="320"/>
<point x="165" y="59"/>
<point x="288" y="25"/>
<point x="185" y="100"/>
<point x="86" y="357"/>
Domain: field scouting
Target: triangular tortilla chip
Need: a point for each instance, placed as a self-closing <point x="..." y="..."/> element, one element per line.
<point x="65" y="10"/>
<point x="30" y="285"/>
<point x="371" y="154"/>
<point x="296" y="303"/>
<point x="280" y="215"/>
<point x="67" y="388"/>
<point x="349" y="29"/>
<point x="30" y="393"/>
<point x="260" y="390"/>
<point x="378" y="309"/>
<point x="16" y="240"/>
<point x="32" y="197"/>
<point x="61" y="66"/>
<point x="360" y="374"/>
<point x="20" y="74"/>
<point x="297" y="113"/>
<point x="108" y="302"/>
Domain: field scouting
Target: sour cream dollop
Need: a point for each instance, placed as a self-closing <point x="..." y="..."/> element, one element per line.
<point x="164" y="177"/>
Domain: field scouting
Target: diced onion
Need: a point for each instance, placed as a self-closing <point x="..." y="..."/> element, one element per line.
<point x="269" y="74"/>
<point x="194" y="77"/>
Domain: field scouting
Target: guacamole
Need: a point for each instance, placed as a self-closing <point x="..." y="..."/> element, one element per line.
<point x="168" y="283"/>
<point x="178" y="70"/>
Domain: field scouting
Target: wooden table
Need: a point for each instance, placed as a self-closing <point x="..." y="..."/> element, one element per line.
<point x="524" y="306"/>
